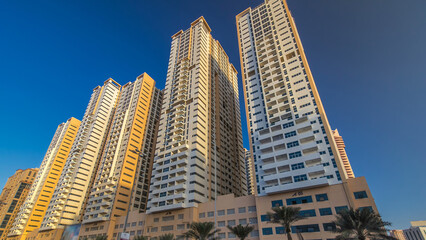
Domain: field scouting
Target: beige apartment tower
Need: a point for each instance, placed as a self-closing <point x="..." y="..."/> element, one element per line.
<point x="35" y="206"/>
<point x="128" y="153"/>
<point x="200" y="126"/>
<point x="70" y="195"/>
<point x="13" y="196"/>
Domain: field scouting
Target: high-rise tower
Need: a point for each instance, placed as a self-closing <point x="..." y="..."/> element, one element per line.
<point x="128" y="153"/>
<point x="35" y="206"/>
<point x="249" y="172"/>
<point x="200" y="128"/>
<point x="71" y="193"/>
<point x="291" y="140"/>
<point x="13" y="195"/>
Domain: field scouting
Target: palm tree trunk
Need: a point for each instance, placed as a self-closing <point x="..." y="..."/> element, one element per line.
<point x="289" y="234"/>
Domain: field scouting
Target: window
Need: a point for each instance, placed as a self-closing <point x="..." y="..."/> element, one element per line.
<point x="277" y="203"/>
<point x="221" y="212"/>
<point x="307" y="213"/>
<point x="222" y="235"/>
<point x="154" y="229"/>
<point x="231" y="223"/>
<point x="242" y="221"/>
<point x="305" y="228"/>
<point x="297" y="166"/>
<point x="294" y="154"/>
<point x="292" y="144"/>
<point x="279" y="230"/>
<point x="325" y="211"/>
<point x="342" y="208"/>
<point x="290" y="134"/>
<point x="210" y="214"/>
<point x="253" y="220"/>
<point x="231" y="235"/>
<point x="360" y="195"/>
<point x="267" y="231"/>
<point x="180" y="216"/>
<point x="180" y="226"/>
<point x="202" y="215"/>
<point x="264" y="218"/>
<point x="287" y="125"/>
<point x="241" y="210"/>
<point x="167" y="228"/>
<point x="329" y="226"/>
<point x="252" y="209"/>
<point x="254" y="233"/>
<point x="221" y="224"/>
<point x="230" y="211"/>
<point x="321" y="197"/>
<point x="140" y="223"/>
<point x="156" y="219"/>
<point x="300" y="178"/>
<point x="369" y="208"/>
<point x="299" y="200"/>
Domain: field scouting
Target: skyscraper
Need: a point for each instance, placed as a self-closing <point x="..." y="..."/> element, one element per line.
<point x="291" y="140"/>
<point x="13" y="195"/>
<point x="200" y="126"/>
<point x="249" y="172"/>
<point x="128" y="153"/>
<point x="35" y="206"/>
<point x="71" y="193"/>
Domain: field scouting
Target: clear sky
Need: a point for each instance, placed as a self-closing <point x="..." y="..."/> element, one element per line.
<point x="368" y="58"/>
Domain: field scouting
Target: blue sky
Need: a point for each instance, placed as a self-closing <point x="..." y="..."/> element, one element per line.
<point x="367" y="56"/>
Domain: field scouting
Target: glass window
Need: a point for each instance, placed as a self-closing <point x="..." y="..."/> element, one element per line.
<point x="210" y="214"/>
<point x="254" y="233"/>
<point x="321" y="197"/>
<point x="242" y="221"/>
<point x="253" y="220"/>
<point x="202" y="215"/>
<point x="277" y="203"/>
<point x="221" y="212"/>
<point x="305" y="228"/>
<point x="230" y="211"/>
<point x="221" y="224"/>
<point x="307" y="213"/>
<point x="341" y="208"/>
<point x="329" y="226"/>
<point x="325" y="211"/>
<point x="231" y="235"/>
<point x="180" y="216"/>
<point x="252" y="209"/>
<point x="241" y="210"/>
<point x="231" y="223"/>
<point x="369" y="208"/>
<point x="360" y="195"/>
<point x="267" y="231"/>
<point x="300" y="178"/>
<point x="299" y="200"/>
<point x="279" y="230"/>
<point x="264" y="218"/>
<point x="222" y="235"/>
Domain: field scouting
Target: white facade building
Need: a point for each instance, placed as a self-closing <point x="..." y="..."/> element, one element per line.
<point x="290" y="137"/>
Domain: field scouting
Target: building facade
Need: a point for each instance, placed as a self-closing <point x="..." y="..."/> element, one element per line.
<point x="128" y="153"/>
<point x="290" y="137"/>
<point x="318" y="205"/>
<point x="13" y="196"/>
<point x="70" y="195"/>
<point x="199" y="143"/>
<point x="35" y="206"/>
<point x="251" y="186"/>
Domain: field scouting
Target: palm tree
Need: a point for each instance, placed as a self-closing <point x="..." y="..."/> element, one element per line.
<point x="140" y="238"/>
<point x="168" y="236"/>
<point x="360" y="224"/>
<point x="285" y="216"/>
<point x="202" y="231"/>
<point x="241" y="231"/>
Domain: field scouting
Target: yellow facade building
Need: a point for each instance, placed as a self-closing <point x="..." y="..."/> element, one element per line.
<point x="13" y="195"/>
<point x="35" y="206"/>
